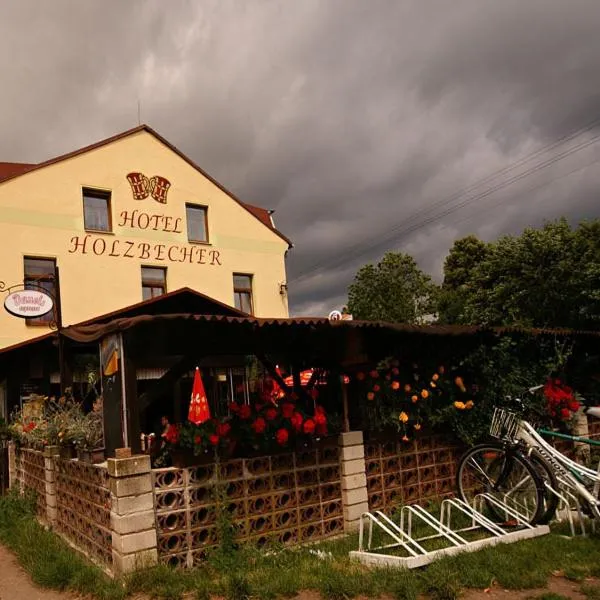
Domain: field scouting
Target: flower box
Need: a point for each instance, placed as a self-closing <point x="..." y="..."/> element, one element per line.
<point x="67" y="452"/>
<point x="183" y="457"/>
<point x="91" y="456"/>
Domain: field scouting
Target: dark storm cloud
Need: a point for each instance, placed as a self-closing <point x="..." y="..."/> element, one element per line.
<point x="354" y="119"/>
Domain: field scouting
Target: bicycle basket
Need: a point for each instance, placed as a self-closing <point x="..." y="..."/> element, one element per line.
<point x="505" y="425"/>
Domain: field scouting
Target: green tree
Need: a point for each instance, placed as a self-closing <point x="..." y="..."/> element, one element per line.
<point x="394" y="290"/>
<point x="464" y="257"/>
<point x="547" y="277"/>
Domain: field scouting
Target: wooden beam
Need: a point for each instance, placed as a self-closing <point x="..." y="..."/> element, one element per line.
<point x="273" y="372"/>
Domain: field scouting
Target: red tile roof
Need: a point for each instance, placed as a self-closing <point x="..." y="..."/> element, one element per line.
<point x="12" y="170"/>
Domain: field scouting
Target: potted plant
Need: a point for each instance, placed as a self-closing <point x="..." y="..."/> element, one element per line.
<point x="90" y="435"/>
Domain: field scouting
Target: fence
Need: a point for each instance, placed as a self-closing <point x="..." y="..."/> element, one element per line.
<point x="31" y="476"/>
<point x="288" y="498"/>
<point x="83" y="508"/>
<point x="405" y="473"/>
<point x="124" y="515"/>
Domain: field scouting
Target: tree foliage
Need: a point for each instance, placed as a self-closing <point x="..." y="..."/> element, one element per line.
<point x="548" y="277"/>
<point x="394" y="290"/>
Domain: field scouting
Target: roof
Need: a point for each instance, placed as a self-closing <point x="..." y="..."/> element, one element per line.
<point x="189" y="306"/>
<point x="182" y="300"/>
<point x="10" y="171"/>
<point x="96" y="328"/>
<point x="177" y="301"/>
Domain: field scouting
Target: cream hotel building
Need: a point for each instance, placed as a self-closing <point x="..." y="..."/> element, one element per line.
<point x="125" y="220"/>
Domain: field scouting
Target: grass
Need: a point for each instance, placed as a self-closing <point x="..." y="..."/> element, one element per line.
<point x="591" y="591"/>
<point x="246" y="572"/>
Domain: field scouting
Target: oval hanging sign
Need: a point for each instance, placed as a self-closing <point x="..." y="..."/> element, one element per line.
<point x="28" y="304"/>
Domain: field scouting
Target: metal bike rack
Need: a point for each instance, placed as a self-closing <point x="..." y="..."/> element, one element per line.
<point x="415" y="555"/>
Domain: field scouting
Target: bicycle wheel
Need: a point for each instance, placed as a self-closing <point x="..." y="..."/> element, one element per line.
<point x="549" y="480"/>
<point x="492" y="476"/>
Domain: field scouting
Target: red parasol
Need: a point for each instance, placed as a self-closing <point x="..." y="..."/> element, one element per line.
<point x="199" y="410"/>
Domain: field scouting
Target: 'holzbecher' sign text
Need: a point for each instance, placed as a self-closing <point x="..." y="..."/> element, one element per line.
<point x="88" y="244"/>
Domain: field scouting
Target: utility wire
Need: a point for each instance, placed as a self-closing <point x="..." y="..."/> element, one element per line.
<point x="402" y="229"/>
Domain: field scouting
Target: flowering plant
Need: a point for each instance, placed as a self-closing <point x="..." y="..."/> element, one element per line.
<point x="48" y="422"/>
<point x="561" y="401"/>
<point x="407" y="396"/>
<point x="262" y="426"/>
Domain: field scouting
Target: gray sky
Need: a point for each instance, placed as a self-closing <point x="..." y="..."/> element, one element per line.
<point x="359" y="122"/>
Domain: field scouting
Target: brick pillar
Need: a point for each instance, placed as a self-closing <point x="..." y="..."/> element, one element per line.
<point x="354" y="479"/>
<point x="50" y="454"/>
<point x="132" y="513"/>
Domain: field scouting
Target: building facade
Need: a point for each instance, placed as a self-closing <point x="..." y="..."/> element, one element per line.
<point x="125" y="220"/>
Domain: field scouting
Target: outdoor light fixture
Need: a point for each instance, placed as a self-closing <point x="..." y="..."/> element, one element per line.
<point x="283" y="289"/>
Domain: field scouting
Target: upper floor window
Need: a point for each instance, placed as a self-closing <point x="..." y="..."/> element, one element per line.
<point x="40" y="274"/>
<point x="197" y="228"/>
<point x="242" y="293"/>
<point x="154" y="282"/>
<point x="96" y="210"/>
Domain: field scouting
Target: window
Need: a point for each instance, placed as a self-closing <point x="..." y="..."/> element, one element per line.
<point x="242" y="292"/>
<point x="197" y="229"/>
<point x="96" y="210"/>
<point x="40" y="273"/>
<point x="154" y="282"/>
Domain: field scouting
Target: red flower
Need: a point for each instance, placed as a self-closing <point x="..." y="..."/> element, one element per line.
<point x="287" y="410"/>
<point x="223" y="429"/>
<point x="309" y="426"/>
<point x="395" y="370"/>
<point x="29" y="427"/>
<point x="234" y="407"/>
<point x="376" y="388"/>
<point x="245" y="411"/>
<point x="564" y="413"/>
<point x="282" y="436"/>
<point x="259" y="425"/>
<point x="198" y="439"/>
<point x="213" y="439"/>
<point x="297" y="421"/>
<point x="574" y="405"/>
<point x="374" y="374"/>
<point x="320" y="419"/>
<point x="319" y="409"/>
<point x="271" y="413"/>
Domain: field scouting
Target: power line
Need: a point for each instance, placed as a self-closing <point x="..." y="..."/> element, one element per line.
<point x="511" y="167"/>
<point x="402" y="229"/>
<point x="532" y="189"/>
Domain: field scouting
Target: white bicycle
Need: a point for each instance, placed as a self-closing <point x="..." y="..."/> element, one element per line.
<point x="524" y="471"/>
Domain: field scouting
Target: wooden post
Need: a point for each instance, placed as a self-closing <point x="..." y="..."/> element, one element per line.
<point x="346" y="412"/>
<point x="131" y="402"/>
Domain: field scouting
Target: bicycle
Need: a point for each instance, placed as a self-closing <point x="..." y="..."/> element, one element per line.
<point x="525" y="472"/>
